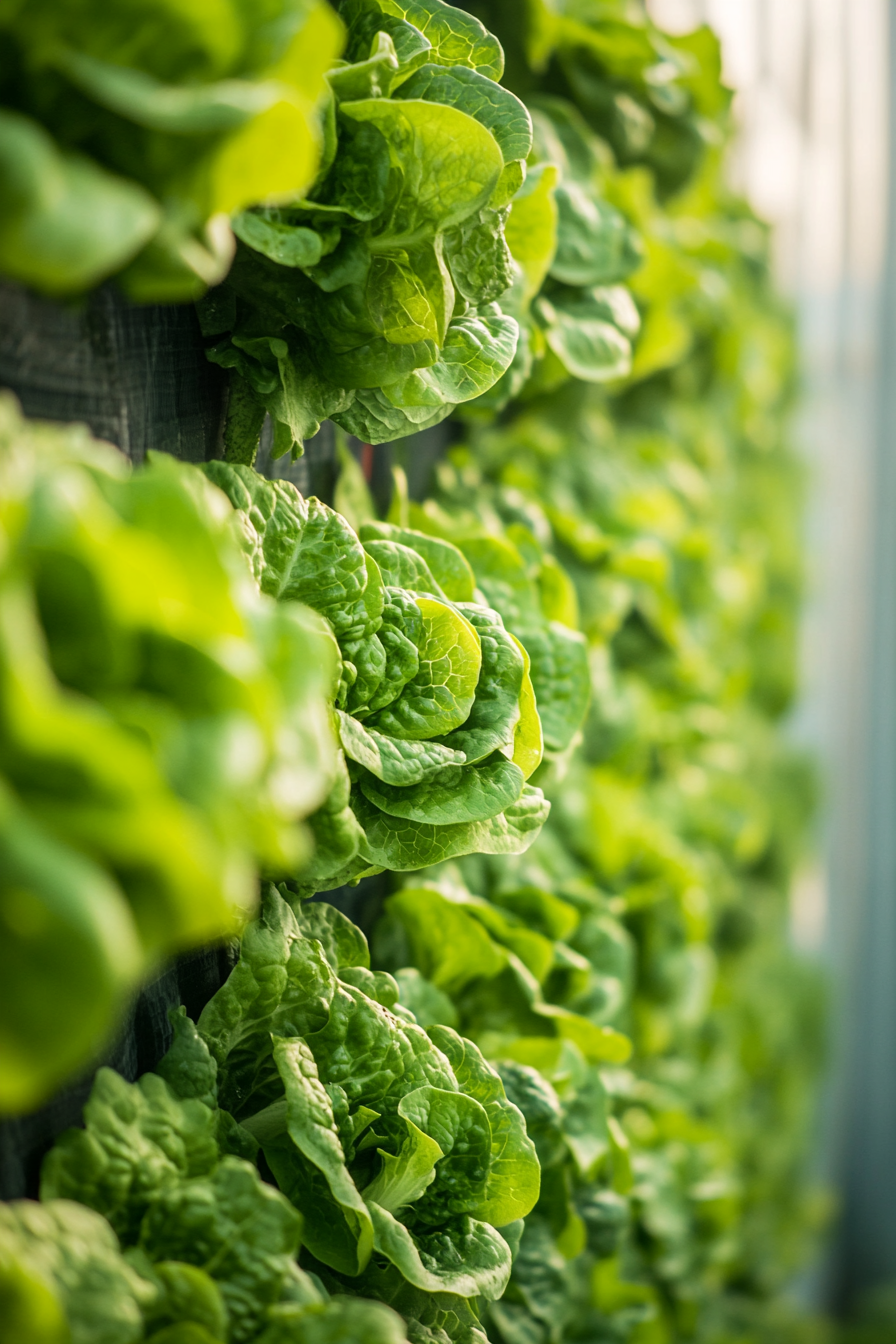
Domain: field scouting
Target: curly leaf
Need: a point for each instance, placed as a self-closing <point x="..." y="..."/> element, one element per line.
<point x="465" y="1257"/>
<point x="406" y="845"/>
<point x="391" y="759"/>
<point x="440" y="696"/>
<point x="341" y="1233"/>
<point x="455" y="794"/>
<point x="514" y="1175"/>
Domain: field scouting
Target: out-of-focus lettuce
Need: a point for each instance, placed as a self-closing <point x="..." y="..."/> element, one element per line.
<point x="163" y="731"/>
<point x="657" y="99"/>
<point x="128" y="136"/>
<point x="571" y="251"/>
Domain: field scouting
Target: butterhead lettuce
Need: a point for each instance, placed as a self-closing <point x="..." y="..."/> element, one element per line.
<point x="397" y="1145"/>
<point x="435" y="708"/>
<point x="373" y="300"/>
<point x="397" y="1154"/>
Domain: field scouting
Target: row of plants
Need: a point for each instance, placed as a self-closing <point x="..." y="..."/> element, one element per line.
<point x="564" y="1094"/>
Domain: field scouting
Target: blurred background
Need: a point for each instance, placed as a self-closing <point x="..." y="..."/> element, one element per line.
<point x="815" y="159"/>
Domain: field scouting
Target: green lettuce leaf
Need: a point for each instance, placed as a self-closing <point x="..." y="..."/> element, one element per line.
<point x="445" y="562"/>
<point x="189" y="1302"/>
<point x="590" y="347"/>
<point x="514" y="1175"/>
<point x="67" y="223"/>
<point x="402" y="567"/>
<point x="430" y="1316"/>
<point x="337" y="835"/>
<point x="455" y="37"/>
<point x="373" y="418"/>
<point x="561" y="680"/>
<point x="496" y="710"/>
<point x="282" y="984"/>
<point x="456" y="794"/>
<point x="395" y="760"/>
<point x="477" y="351"/>
<point x="408" y="845"/>
<point x="188" y="1067"/>
<point x="465" y="1257"/>
<point x="338" y="1227"/>
<point x="362" y="1119"/>
<point x="342" y="942"/>
<point x="499" y="110"/>
<point x="341" y="1320"/>
<point x="165" y="730"/>
<point x="75" y="939"/>
<point x="440" y="696"/>
<point x="428" y="1004"/>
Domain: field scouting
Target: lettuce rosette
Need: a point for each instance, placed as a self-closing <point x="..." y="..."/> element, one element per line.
<point x="398" y="1146"/>
<point x="372" y="301"/>
<point x="155" y="1224"/>
<point x="396" y="1152"/>
<point x="435" y="705"/>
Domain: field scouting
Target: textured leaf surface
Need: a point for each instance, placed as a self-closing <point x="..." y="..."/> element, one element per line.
<point x="467" y="1257"/>
<point x="341" y="1235"/>
<point x="446" y="563"/>
<point x="391" y="759"/>
<point x="514" y="1176"/>
<point x="404" y="845"/>
<point x="452" y="161"/>
<point x="342" y="941"/>
<point x="243" y="1232"/>
<point x="439" y="698"/>
<point x="496" y="710"/>
<point x="139" y="1139"/>
<point x="402" y="567"/>
<point x="477" y="351"/>
<point x="455" y="794"/>
<point x="499" y="110"/>
<point x="460" y="1128"/>
<point x="456" y="37"/>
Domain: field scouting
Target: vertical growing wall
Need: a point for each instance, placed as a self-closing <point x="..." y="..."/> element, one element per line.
<point x="558" y="1085"/>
